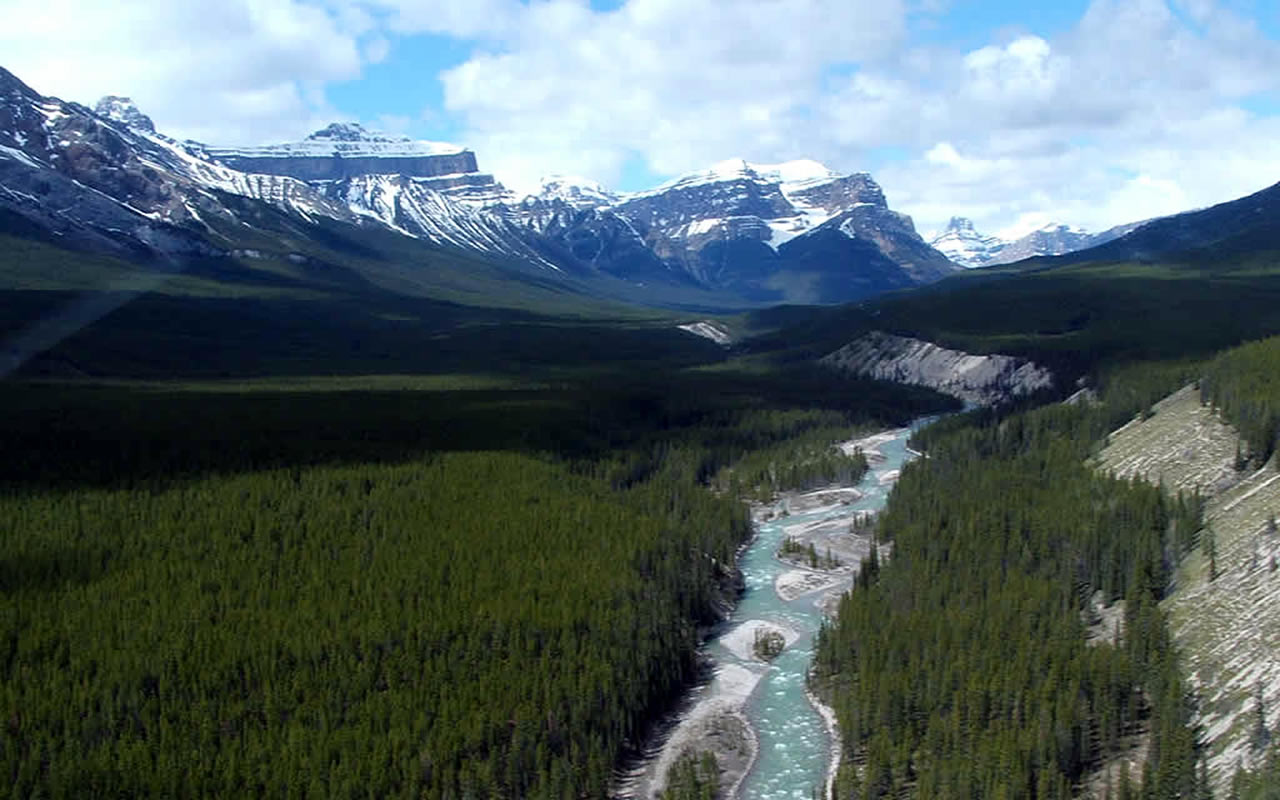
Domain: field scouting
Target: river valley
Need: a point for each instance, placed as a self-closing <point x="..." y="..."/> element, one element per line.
<point x="770" y="739"/>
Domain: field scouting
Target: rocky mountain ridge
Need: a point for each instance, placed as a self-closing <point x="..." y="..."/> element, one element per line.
<point x="750" y="233"/>
<point x="964" y="245"/>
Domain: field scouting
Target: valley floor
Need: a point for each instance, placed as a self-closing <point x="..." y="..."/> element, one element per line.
<point x="717" y="716"/>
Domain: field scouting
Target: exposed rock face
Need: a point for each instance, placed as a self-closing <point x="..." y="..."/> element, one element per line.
<point x="841" y="194"/>
<point x="795" y="231"/>
<point x="586" y="239"/>
<point x="122" y="109"/>
<point x="1051" y="240"/>
<point x="964" y="245"/>
<point x="976" y="379"/>
<point x="894" y="236"/>
<point x="581" y="193"/>
<point x="347" y="151"/>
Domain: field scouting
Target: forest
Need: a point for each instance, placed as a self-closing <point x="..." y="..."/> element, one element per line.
<point x="966" y="666"/>
<point x="480" y="591"/>
<point x="467" y="586"/>
<point x="1244" y="384"/>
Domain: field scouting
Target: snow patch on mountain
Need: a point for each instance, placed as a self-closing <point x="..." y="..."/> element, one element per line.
<point x="961" y="243"/>
<point x="967" y="247"/>
<point x="581" y="193"/>
<point x="799" y="174"/>
<point x="346" y="140"/>
<point x="789" y="175"/>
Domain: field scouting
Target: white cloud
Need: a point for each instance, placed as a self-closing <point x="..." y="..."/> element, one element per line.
<point x="1135" y="109"/>
<point x="1032" y="125"/>
<point x="236" y="70"/>
<point x="376" y="50"/>
<point x="1132" y="114"/>
<point x="682" y="84"/>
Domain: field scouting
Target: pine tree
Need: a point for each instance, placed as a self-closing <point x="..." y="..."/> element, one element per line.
<point x="1210" y="546"/>
<point x="1260" y="736"/>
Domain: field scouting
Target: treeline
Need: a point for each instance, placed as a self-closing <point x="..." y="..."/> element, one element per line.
<point x="452" y="594"/>
<point x="1244" y="384"/>
<point x="960" y="668"/>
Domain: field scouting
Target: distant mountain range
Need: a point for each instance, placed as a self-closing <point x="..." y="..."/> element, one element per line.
<point x="739" y="233"/>
<point x="965" y="246"/>
<point x="736" y="235"/>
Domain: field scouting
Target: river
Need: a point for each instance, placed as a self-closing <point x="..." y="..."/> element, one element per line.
<point x="768" y="737"/>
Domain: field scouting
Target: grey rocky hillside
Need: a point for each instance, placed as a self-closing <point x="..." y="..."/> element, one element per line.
<point x="980" y="380"/>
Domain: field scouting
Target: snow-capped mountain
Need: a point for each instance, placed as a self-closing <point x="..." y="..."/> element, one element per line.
<point x="795" y="231"/>
<point x="580" y="193"/>
<point x="123" y="110"/>
<point x="112" y="183"/>
<point x="961" y="243"/>
<point x="967" y="247"/>
<point x="1053" y="239"/>
<point x="759" y="229"/>
<point x="344" y="150"/>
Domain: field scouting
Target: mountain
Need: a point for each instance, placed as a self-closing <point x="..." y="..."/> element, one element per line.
<point x="1057" y="239"/>
<point x="961" y="243"/>
<point x="1239" y="228"/>
<point x="737" y="234"/>
<point x="795" y="231"/>
<point x="967" y="247"/>
<point x="581" y="193"/>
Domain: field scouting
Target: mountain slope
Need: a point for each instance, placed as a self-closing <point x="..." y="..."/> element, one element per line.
<point x="962" y="243"/>
<point x="795" y="232"/>
<point x="1228" y="230"/>
<point x="1225" y="616"/>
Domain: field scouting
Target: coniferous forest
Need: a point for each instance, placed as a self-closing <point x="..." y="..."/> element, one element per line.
<point x="445" y="593"/>
<point x="490" y="589"/>
<point x="964" y="667"/>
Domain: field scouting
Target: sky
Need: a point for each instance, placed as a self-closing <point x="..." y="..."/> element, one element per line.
<point x="1014" y="113"/>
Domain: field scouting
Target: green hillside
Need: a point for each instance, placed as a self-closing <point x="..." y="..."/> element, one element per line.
<point x="1074" y="318"/>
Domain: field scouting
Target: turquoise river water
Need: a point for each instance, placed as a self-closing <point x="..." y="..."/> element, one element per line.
<point x="794" y="746"/>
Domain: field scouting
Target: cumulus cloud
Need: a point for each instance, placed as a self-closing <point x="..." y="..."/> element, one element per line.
<point x="1138" y="109"/>
<point x="231" y="71"/>
<point x="1132" y="114"/>
<point x="679" y="84"/>
<point x="1113" y="120"/>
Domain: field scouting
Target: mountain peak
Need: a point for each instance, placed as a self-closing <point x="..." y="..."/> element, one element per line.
<point x="351" y="132"/>
<point x="962" y="243"/>
<point x="123" y="110"/>
<point x="577" y="191"/>
<point x="799" y="171"/>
